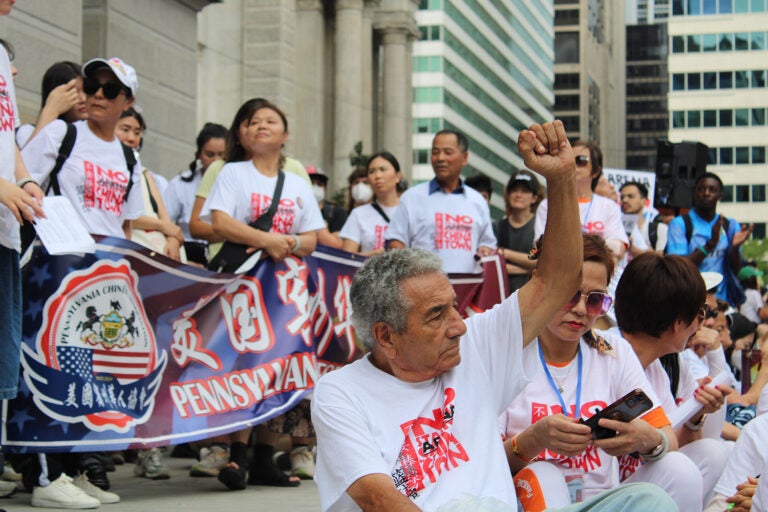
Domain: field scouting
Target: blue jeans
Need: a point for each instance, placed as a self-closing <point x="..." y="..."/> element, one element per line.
<point x="10" y="322"/>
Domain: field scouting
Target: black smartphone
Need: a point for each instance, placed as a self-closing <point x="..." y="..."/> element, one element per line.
<point x="625" y="409"/>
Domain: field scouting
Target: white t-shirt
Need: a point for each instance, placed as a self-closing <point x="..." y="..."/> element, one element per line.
<point x="453" y="226"/>
<point x="605" y="378"/>
<point x="748" y="457"/>
<point x="369" y="422"/>
<point x="760" y="499"/>
<point x="94" y="178"/>
<point x="367" y="227"/>
<point x="243" y="193"/>
<point x="752" y="305"/>
<point x="9" y="120"/>
<point x="23" y="133"/>
<point x="179" y="199"/>
<point x="600" y="216"/>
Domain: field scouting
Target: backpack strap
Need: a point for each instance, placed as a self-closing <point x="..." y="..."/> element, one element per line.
<point x="130" y="161"/>
<point x="653" y="231"/>
<point x="688" y="227"/>
<point x="65" y="149"/>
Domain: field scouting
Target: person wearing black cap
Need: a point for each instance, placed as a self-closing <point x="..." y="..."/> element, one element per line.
<point x="514" y="232"/>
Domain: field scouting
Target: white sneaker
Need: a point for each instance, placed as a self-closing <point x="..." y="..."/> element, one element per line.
<point x="91" y="490"/>
<point x="7" y="488"/>
<point x="212" y="460"/>
<point x="10" y="475"/>
<point x="62" y="493"/>
<point x="302" y="463"/>
<point x="150" y="465"/>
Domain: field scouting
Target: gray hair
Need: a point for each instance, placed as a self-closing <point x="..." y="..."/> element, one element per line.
<point x="376" y="294"/>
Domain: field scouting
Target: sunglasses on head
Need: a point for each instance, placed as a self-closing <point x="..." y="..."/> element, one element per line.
<point x="111" y="89"/>
<point x="581" y="160"/>
<point x="597" y="303"/>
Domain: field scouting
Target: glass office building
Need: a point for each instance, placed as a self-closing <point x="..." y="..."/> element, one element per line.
<point x="485" y="69"/>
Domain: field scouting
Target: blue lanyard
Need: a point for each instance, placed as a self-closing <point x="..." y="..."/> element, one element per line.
<point x="580" y="364"/>
<point x="586" y="218"/>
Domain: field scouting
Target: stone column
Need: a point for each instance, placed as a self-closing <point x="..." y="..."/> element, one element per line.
<point x="310" y="82"/>
<point x="396" y="119"/>
<point x="348" y="86"/>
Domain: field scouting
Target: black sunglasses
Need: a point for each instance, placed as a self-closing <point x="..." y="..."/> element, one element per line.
<point x="111" y="89"/>
<point x="581" y="160"/>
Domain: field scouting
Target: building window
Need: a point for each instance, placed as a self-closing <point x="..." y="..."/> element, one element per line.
<point x="678" y="44"/>
<point x="678" y="82"/>
<point x="431" y="63"/>
<point x="758" y="154"/>
<point x="726" y="156"/>
<point x="759" y="232"/>
<point x="572" y="124"/>
<point x="710" y="80"/>
<point x="727" y="194"/>
<point x="758" y="193"/>
<point x="566" y="47"/>
<point x="428" y="95"/>
<point x="758" y="117"/>
<point x="758" y="78"/>
<point x="566" y="81"/>
<point x="742" y="116"/>
<point x="726" y="79"/>
<point x="566" y="102"/>
<point x="742" y="193"/>
<point x="694" y="81"/>
<point x="421" y="156"/>
<point x="726" y="118"/>
<point x="566" y="17"/>
<point x="694" y="119"/>
<point x="678" y="119"/>
<point x="757" y="41"/>
<point x="710" y="118"/>
<point x="742" y="155"/>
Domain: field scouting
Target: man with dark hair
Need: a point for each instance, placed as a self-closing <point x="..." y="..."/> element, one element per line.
<point x="634" y="196"/>
<point x="444" y="215"/>
<point x="708" y="239"/>
<point x="413" y="425"/>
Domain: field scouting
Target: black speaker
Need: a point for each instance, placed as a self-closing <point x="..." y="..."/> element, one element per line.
<point x="677" y="167"/>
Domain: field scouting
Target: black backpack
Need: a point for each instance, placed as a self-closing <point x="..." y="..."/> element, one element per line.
<point x="65" y="149"/>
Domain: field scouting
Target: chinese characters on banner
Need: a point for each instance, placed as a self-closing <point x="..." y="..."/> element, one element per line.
<point x="126" y="349"/>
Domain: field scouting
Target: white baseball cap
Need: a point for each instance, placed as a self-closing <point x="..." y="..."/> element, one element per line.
<point x="125" y="73"/>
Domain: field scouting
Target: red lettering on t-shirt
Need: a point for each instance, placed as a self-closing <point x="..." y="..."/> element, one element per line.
<point x="104" y="189"/>
<point x="284" y="217"/>
<point x="7" y="113"/>
<point x="453" y="232"/>
<point x="429" y="449"/>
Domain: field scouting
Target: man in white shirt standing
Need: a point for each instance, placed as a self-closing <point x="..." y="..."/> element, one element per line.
<point x="443" y="215"/>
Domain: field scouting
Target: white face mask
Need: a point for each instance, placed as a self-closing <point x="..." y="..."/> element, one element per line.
<point x="362" y="192"/>
<point x="319" y="192"/>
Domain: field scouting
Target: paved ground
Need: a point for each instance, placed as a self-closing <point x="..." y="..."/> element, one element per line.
<point x="183" y="493"/>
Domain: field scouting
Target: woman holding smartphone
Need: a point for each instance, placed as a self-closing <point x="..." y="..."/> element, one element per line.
<point x="583" y="372"/>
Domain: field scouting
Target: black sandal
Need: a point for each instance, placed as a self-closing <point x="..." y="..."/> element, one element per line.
<point x="233" y="477"/>
<point x="264" y="472"/>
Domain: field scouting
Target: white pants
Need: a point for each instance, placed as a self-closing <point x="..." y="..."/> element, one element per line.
<point x="710" y="456"/>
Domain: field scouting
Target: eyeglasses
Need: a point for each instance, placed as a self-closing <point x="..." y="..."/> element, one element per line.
<point x="597" y="303"/>
<point x="111" y="89"/>
<point x="581" y="160"/>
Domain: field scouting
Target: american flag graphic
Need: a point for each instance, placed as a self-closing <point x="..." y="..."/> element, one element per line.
<point x="121" y="364"/>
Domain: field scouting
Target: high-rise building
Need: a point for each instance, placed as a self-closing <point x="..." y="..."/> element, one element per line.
<point x="590" y="73"/>
<point x="718" y="96"/>
<point x="485" y="69"/>
<point x="647" y="88"/>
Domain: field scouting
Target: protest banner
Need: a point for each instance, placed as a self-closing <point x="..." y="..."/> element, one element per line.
<point x="127" y="349"/>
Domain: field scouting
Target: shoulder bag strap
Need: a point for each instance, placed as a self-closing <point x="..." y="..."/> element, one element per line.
<point x="264" y="223"/>
<point x="380" y="210"/>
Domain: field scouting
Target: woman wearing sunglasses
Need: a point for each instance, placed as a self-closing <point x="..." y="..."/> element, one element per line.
<point x="95" y="177"/>
<point x="580" y="373"/>
<point x="599" y="215"/>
